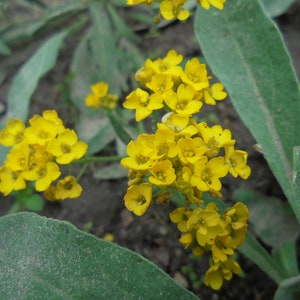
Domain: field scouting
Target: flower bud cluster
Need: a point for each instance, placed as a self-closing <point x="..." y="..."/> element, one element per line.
<point x="36" y="153"/>
<point x="176" y="9"/>
<point x="187" y="156"/>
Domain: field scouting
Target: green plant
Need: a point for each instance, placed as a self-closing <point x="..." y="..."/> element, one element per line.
<point x="264" y="90"/>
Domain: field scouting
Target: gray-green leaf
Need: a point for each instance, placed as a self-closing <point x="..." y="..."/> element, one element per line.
<point x="49" y="259"/>
<point x="246" y="51"/>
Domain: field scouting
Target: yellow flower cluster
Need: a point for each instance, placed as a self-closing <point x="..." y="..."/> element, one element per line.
<point x="175" y="9"/>
<point x="36" y="153"/>
<point x="205" y="229"/>
<point x="100" y="97"/>
<point x="165" y="82"/>
<point x="186" y="156"/>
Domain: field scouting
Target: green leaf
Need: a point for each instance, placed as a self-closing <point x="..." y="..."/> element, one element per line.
<point x="26" y="81"/>
<point x="113" y="171"/>
<point x="286" y="257"/>
<point x="96" y="131"/>
<point x="71" y="7"/>
<point x="34" y="203"/>
<point x="245" y="50"/>
<point x="104" y="48"/>
<point x="296" y="179"/>
<point x="4" y="49"/>
<point x="252" y="249"/>
<point x="119" y="128"/>
<point x="85" y="70"/>
<point x="289" y="289"/>
<point x="275" y="8"/>
<point x="51" y="259"/>
<point x="265" y="215"/>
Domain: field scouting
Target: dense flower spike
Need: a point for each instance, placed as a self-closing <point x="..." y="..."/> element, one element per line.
<point x="175" y="9"/>
<point x="36" y="153"/>
<point x="188" y="156"/>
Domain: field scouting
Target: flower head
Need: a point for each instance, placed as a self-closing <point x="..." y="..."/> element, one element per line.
<point x="138" y="198"/>
<point x="66" y="147"/>
<point x="171" y="9"/>
<point x="67" y="188"/>
<point x="163" y="173"/>
<point x="13" y="133"/>
<point x="143" y="103"/>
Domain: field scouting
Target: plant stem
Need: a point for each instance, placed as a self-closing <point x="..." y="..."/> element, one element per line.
<point x="91" y="159"/>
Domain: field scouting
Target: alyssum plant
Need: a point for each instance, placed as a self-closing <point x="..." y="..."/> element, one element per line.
<point x="182" y="161"/>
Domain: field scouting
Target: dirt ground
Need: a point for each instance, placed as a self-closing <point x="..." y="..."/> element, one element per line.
<point x="100" y="209"/>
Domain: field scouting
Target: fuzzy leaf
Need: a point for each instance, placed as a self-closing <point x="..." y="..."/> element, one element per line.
<point x="275" y="8"/>
<point x="49" y="259"/>
<point x="26" y="81"/>
<point x="246" y="51"/>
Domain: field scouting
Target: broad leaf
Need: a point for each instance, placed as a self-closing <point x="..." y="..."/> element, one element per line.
<point x="289" y="289"/>
<point x="246" y="51"/>
<point x="48" y="259"/>
<point x="276" y="8"/>
<point x="286" y="257"/>
<point x="26" y="81"/>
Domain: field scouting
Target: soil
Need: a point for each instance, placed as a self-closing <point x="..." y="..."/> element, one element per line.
<point x="100" y="209"/>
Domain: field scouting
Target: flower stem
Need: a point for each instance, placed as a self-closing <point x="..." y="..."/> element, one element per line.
<point x="91" y="159"/>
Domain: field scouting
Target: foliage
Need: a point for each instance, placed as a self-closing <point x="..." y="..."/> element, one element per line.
<point x="256" y="70"/>
<point x="41" y="255"/>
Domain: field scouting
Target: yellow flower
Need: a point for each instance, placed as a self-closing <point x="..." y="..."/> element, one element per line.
<point x="143" y="103"/>
<point x="216" y="274"/>
<point x="180" y="217"/>
<point x="169" y="64"/>
<point x="142" y="155"/>
<point x="190" y="149"/>
<point x="195" y="74"/>
<point x="171" y="9"/>
<point x="99" y="90"/>
<point x="207" y="173"/>
<point x="213" y="93"/>
<point x="138" y="198"/>
<point x="178" y="123"/>
<point x="206" y="224"/>
<point x="67" y="188"/>
<point x="134" y="2"/>
<point x="18" y="157"/>
<point x="10" y="180"/>
<point x="41" y="131"/>
<point x="161" y="84"/>
<point x="43" y="176"/>
<point x="219" y="4"/>
<point x="163" y="174"/>
<point x="165" y="142"/>
<point x="237" y="215"/>
<point x="187" y="239"/>
<point x="215" y="138"/>
<point x="145" y="73"/>
<point x="221" y="248"/>
<point x="66" y="147"/>
<point x="237" y="162"/>
<point x="51" y="115"/>
<point x="110" y="101"/>
<point x="13" y="133"/>
<point x="183" y="102"/>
